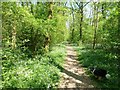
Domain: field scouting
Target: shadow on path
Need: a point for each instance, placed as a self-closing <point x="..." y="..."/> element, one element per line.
<point x="81" y="78"/>
<point x="73" y="75"/>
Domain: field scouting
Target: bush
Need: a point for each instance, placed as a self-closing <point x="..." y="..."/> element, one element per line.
<point x="19" y="71"/>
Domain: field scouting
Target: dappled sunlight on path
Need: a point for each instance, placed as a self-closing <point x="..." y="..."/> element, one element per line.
<point x="73" y="75"/>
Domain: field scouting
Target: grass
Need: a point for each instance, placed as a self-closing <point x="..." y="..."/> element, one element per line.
<point x="102" y="59"/>
<point x="19" y="71"/>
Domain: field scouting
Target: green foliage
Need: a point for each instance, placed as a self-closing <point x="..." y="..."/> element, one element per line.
<point x="28" y="27"/>
<point x="57" y="55"/>
<point x="106" y="54"/>
<point x="102" y="59"/>
<point x="31" y="29"/>
<point x="41" y="10"/>
<point x="28" y="65"/>
<point x="107" y="33"/>
<point x="18" y="71"/>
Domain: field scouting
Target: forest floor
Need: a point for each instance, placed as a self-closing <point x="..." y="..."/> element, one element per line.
<point x="73" y="74"/>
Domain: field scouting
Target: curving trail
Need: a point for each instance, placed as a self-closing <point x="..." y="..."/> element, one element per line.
<point x="73" y="75"/>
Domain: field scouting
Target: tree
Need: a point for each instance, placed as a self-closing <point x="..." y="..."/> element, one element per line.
<point x="80" y="6"/>
<point x="73" y="21"/>
<point x="95" y="26"/>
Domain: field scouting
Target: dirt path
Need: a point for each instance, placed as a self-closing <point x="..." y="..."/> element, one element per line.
<point x="73" y="75"/>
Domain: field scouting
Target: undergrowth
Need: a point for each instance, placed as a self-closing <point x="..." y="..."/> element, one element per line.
<point x="101" y="59"/>
<point x="19" y="71"/>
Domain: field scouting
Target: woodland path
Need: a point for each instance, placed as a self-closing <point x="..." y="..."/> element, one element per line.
<point x="73" y="74"/>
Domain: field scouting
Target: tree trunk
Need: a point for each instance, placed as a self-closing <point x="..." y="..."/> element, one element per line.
<point x="81" y="20"/>
<point x="95" y="24"/>
<point x="73" y="19"/>
<point x="31" y="8"/>
<point x="72" y="33"/>
<point x="103" y="13"/>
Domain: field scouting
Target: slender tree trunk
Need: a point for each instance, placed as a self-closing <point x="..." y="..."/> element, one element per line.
<point x="31" y="8"/>
<point x="103" y="18"/>
<point x="80" y="5"/>
<point x="95" y="24"/>
<point x="81" y="20"/>
<point x="72" y="33"/>
<point x="73" y="17"/>
<point x="103" y="13"/>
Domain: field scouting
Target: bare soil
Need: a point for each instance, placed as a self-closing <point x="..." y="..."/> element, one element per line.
<point x="73" y="74"/>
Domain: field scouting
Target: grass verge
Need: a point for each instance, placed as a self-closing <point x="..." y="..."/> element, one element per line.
<point x="102" y="59"/>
